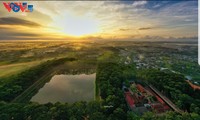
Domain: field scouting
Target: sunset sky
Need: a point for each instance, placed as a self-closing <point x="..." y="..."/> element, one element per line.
<point x="96" y="20"/>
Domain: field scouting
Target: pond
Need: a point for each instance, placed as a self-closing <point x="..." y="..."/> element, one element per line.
<point x="67" y="88"/>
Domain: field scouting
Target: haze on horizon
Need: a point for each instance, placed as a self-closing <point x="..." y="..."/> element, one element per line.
<point x="102" y="20"/>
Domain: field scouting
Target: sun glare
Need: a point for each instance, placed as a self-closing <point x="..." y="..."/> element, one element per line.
<point x="76" y="25"/>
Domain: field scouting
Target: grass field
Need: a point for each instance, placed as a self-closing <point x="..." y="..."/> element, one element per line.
<point x="8" y="70"/>
<point x="15" y="68"/>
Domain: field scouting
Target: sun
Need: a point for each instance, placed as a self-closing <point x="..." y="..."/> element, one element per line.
<point x="76" y="25"/>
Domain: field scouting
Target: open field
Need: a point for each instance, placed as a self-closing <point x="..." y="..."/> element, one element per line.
<point x="8" y="70"/>
<point x="15" y="68"/>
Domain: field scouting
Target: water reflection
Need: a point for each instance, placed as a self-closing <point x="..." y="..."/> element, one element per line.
<point x="67" y="88"/>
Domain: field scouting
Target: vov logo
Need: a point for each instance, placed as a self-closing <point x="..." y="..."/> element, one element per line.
<point x="17" y="6"/>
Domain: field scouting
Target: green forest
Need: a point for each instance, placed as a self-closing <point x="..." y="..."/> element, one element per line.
<point x="111" y="105"/>
<point x="175" y="87"/>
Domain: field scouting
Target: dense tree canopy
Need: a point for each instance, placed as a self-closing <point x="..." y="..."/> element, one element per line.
<point x="174" y="86"/>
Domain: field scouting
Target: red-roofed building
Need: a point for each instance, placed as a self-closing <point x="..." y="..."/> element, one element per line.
<point x="129" y="99"/>
<point x="159" y="99"/>
<point x="140" y="88"/>
<point x="137" y="98"/>
<point x="166" y="107"/>
<point x="158" y="107"/>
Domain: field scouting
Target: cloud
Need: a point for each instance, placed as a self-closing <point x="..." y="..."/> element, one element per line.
<point x="156" y="6"/>
<point x="39" y="17"/>
<point x="143" y="17"/>
<point x="13" y="34"/>
<point x="178" y="10"/>
<point x="139" y="3"/>
<point x="124" y="29"/>
<point x="17" y="21"/>
<point x="145" y="28"/>
<point x="19" y="36"/>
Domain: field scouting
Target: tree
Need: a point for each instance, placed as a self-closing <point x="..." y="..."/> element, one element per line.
<point x="194" y="108"/>
<point x="132" y="116"/>
<point x="97" y="116"/>
<point x="195" y="116"/>
<point x="148" y="116"/>
<point x="118" y="114"/>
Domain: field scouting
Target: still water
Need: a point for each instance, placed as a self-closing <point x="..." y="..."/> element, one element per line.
<point x="67" y="88"/>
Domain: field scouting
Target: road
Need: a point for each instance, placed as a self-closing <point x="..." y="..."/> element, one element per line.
<point x="173" y="106"/>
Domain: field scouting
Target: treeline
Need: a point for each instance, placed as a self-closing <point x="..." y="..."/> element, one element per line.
<point x="170" y="115"/>
<point x="49" y="111"/>
<point x="79" y="111"/>
<point x="15" y="85"/>
<point x="109" y="78"/>
<point x="175" y="87"/>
